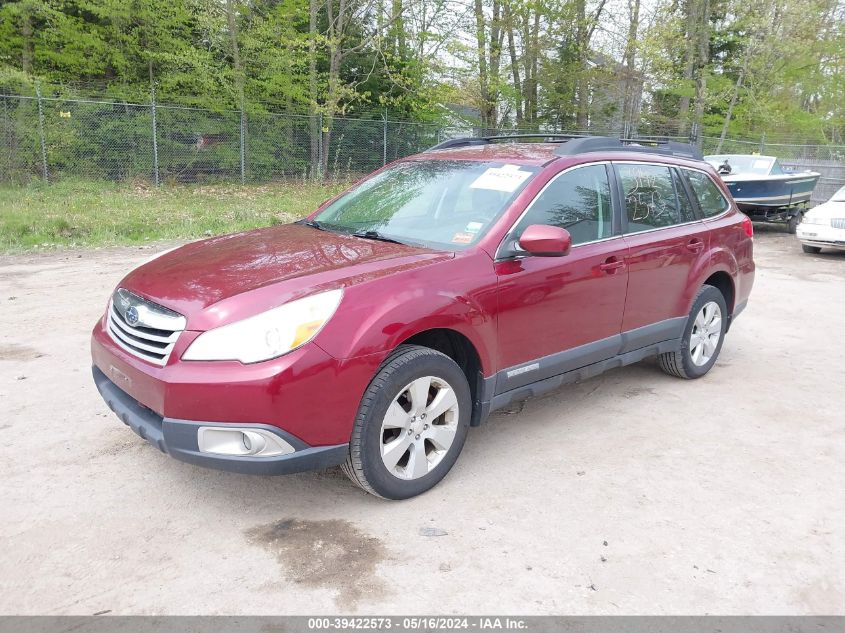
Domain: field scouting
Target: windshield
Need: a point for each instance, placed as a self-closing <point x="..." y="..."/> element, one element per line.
<point x="447" y="204"/>
<point x="839" y="196"/>
<point x="742" y="163"/>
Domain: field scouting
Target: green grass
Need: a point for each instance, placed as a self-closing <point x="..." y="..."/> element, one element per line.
<point x="80" y="213"/>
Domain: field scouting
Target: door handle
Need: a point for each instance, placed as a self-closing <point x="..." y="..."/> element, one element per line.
<point x="611" y="265"/>
<point x="695" y="245"/>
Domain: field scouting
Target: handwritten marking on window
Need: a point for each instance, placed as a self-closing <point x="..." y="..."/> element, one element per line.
<point x="646" y="196"/>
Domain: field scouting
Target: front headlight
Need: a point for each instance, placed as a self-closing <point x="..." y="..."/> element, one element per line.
<point x="814" y="220"/>
<point x="269" y="334"/>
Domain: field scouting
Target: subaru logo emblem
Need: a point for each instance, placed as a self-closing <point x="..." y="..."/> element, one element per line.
<point x="132" y="315"/>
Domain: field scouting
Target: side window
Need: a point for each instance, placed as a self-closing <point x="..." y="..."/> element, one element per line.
<point x="687" y="212"/>
<point x="710" y="197"/>
<point x="651" y="200"/>
<point x="578" y="201"/>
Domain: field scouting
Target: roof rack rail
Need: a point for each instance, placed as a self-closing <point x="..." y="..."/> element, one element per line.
<point x="549" y="137"/>
<point x="572" y="144"/>
<point x="459" y="142"/>
<point x="645" y="145"/>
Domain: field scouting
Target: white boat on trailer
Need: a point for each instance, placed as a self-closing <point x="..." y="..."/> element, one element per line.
<point x="763" y="189"/>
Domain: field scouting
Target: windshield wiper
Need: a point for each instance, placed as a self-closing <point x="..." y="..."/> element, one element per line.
<point x="375" y="235"/>
<point x="313" y="224"/>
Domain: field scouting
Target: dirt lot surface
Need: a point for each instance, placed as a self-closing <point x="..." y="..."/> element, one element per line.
<point x="630" y="493"/>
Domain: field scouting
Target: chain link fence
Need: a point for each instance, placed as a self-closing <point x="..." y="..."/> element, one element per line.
<point x="53" y="138"/>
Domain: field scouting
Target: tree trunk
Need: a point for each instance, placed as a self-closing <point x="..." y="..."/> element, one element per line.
<point x="734" y="97"/>
<point x="332" y="103"/>
<point x="26" y="36"/>
<point x="517" y="84"/>
<point x="398" y="28"/>
<point x="582" y="119"/>
<point x="231" y="19"/>
<point x="483" y="78"/>
<point x="530" y="56"/>
<point x="691" y="9"/>
<point x="535" y="60"/>
<point x="496" y="40"/>
<point x="703" y="59"/>
<point x="631" y="82"/>
<point x="527" y="66"/>
<point x="335" y="36"/>
<point x="313" y="122"/>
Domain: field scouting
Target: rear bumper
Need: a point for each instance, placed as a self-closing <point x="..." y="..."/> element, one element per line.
<point x="178" y="438"/>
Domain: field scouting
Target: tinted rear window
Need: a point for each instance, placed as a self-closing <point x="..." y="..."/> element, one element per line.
<point x="710" y="197"/>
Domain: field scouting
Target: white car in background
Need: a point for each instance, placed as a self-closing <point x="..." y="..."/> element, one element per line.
<point x="824" y="226"/>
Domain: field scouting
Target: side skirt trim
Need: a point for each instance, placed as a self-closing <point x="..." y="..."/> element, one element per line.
<point x="582" y="362"/>
<point x="539" y="369"/>
<point x="558" y="363"/>
<point x="576" y="375"/>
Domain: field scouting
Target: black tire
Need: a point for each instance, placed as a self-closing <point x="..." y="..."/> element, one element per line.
<point x="793" y="222"/>
<point x="679" y="362"/>
<point x="364" y="466"/>
<point x="813" y="250"/>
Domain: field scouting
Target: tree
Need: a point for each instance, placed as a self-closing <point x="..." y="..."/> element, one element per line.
<point x="632" y="88"/>
<point x="488" y="37"/>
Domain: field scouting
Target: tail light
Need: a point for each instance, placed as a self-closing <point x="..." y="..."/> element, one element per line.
<point x="747" y="226"/>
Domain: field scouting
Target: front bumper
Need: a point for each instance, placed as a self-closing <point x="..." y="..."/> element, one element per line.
<point x="821" y="235"/>
<point x="178" y="438"/>
<point x="306" y="393"/>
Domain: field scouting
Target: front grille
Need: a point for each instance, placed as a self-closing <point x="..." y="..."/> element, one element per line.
<point x="154" y="328"/>
<point x="838" y="223"/>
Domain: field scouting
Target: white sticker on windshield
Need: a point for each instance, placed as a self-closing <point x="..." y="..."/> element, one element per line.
<point x="506" y="178"/>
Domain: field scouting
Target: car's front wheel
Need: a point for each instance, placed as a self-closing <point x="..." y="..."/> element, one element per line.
<point x="411" y="424"/>
<point x="703" y="336"/>
<point x="813" y="250"/>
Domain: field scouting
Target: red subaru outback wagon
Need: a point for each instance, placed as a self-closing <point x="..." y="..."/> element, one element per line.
<point x="375" y="332"/>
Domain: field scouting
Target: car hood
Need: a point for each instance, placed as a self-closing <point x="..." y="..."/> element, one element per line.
<point x="830" y="209"/>
<point x="224" y="279"/>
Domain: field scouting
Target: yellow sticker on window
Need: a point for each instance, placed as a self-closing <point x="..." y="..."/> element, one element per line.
<point x="462" y="238"/>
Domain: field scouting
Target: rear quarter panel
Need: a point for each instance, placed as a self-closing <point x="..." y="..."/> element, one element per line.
<point x="732" y="251"/>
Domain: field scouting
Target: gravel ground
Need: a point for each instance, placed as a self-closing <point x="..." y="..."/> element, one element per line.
<point x="630" y="493"/>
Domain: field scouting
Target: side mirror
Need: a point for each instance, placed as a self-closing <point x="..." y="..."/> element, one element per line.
<point x="544" y="240"/>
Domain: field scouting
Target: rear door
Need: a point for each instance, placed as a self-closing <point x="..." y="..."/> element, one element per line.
<point x="557" y="314"/>
<point x="667" y="246"/>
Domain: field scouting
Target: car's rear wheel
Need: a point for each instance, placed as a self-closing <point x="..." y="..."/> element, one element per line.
<point x="411" y="424"/>
<point x="702" y="339"/>
<point x="813" y="250"/>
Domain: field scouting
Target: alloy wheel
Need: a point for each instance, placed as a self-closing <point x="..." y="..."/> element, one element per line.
<point x="706" y="332"/>
<point x="419" y="427"/>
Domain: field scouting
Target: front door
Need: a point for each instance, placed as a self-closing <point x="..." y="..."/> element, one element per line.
<point x="667" y="246"/>
<point x="557" y="314"/>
